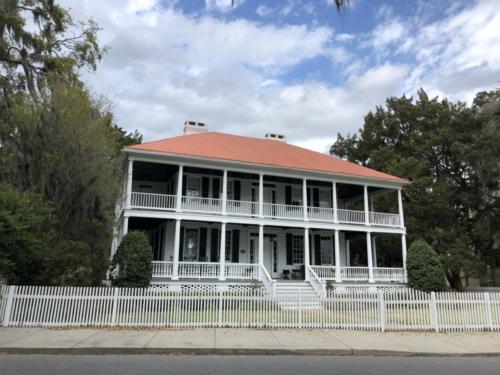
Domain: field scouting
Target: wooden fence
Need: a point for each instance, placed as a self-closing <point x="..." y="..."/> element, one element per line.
<point x="36" y="306"/>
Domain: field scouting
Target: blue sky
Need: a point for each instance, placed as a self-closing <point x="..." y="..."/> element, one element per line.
<point x="293" y="66"/>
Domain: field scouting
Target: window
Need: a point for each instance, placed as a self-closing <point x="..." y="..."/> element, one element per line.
<point x="326" y="250"/>
<point x="228" y="245"/>
<point x="193" y="187"/>
<point x="297" y="195"/>
<point x="251" y="252"/>
<point x="190" y="244"/>
<point x="275" y="256"/>
<point x="298" y="249"/>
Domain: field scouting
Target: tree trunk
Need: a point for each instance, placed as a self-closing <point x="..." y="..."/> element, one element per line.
<point x="454" y="280"/>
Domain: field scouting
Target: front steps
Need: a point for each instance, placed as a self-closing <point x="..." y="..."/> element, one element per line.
<point x="292" y="293"/>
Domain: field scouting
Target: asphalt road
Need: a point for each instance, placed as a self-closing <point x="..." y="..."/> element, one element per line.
<point x="242" y="365"/>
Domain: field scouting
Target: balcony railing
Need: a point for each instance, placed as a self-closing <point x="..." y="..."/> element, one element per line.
<point x="162" y="268"/>
<point x="380" y="274"/>
<point x="270" y="210"/>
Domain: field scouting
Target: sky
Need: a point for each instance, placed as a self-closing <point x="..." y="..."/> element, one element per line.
<point x="294" y="67"/>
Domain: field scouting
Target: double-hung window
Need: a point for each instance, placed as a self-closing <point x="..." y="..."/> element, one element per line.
<point x="193" y="188"/>
<point x="298" y="249"/>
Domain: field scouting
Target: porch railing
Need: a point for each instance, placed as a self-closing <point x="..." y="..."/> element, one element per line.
<point x="242" y="208"/>
<point x="389" y="274"/>
<point x="383" y="274"/>
<point x="351" y="216"/>
<point x="283" y="211"/>
<point x="268" y="282"/>
<point x="162" y="268"/>
<point x="320" y="213"/>
<point x="382" y="218"/>
<point x="155" y="201"/>
<point x="199" y="204"/>
<point x="246" y="271"/>
<point x="316" y="282"/>
<point x="324" y="272"/>
<point x="354" y="273"/>
<point x="199" y="270"/>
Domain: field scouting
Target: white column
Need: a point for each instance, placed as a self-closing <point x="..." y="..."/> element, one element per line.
<point x="130" y="173"/>
<point x="338" y="277"/>
<point x="374" y="251"/>
<point x="261" y="195"/>
<point x="222" y="252"/>
<point x="177" y="244"/>
<point x="261" y="251"/>
<point x="348" y="253"/>
<point x="334" y="201"/>
<point x="224" y="192"/>
<point x="304" y="197"/>
<point x="179" y="188"/>
<point x="125" y="226"/>
<point x="400" y="206"/>
<point x="367" y="210"/>
<point x="403" y="248"/>
<point x="306" y="253"/>
<point x="369" y="256"/>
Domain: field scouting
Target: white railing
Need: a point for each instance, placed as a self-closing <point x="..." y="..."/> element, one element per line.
<point x="245" y="271"/>
<point x="320" y="214"/>
<point x="325" y="272"/>
<point x="389" y="274"/>
<point x="162" y="268"/>
<point x="155" y="201"/>
<point x="242" y="208"/>
<point x="41" y="306"/>
<point x="354" y="273"/>
<point x="382" y="218"/>
<point x="199" y="204"/>
<point x="199" y="270"/>
<point x="351" y="216"/>
<point x="283" y="211"/>
<point x="268" y="282"/>
<point x="316" y="282"/>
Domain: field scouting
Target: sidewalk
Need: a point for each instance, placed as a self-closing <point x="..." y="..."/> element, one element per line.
<point x="245" y="341"/>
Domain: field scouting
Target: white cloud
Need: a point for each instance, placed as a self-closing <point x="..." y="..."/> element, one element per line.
<point x="263" y="10"/>
<point x="223" y="5"/>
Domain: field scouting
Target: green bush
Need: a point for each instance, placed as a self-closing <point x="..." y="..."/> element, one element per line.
<point x="425" y="271"/>
<point x="131" y="266"/>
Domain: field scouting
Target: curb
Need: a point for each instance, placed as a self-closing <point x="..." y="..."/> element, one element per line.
<point x="233" y="351"/>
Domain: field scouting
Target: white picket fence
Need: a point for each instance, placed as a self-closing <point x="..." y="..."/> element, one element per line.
<point x="36" y="306"/>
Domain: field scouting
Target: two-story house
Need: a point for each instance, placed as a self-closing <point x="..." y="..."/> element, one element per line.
<point x="225" y="208"/>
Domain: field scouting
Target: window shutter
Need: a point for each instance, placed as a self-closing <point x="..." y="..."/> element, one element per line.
<point x="309" y="197"/>
<point x="205" y="186"/>
<point x="184" y="185"/>
<point x="333" y="249"/>
<point x="237" y="190"/>
<point x="203" y="245"/>
<point x="288" y="194"/>
<point x="236" y="246"/>
<point x="214" y="245"/>
<point x="317" y="250"/>
<point x="181" y="245"/>
<point x="310" y="248"/>
<point x="289" y="248"/>
<point x="316" y="197"/>
<point x="216" y="188"/>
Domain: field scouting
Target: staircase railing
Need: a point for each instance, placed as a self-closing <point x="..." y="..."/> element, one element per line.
<point x="316" y="282"/>
<point x="268" y="282"/>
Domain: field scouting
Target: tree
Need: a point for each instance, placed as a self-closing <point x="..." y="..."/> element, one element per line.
<point x="449" y="152"/>
<point x="425" y="271"/>
<point x="131" y="265"/>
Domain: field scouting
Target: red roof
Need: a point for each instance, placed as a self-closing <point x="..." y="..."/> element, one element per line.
<point x="214" y="145"/>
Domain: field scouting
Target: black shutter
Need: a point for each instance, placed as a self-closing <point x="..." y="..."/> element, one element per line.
<point x="316" y="197"/>
<point x="237" y="190"/>
<point x="205" y="186"/>
<point x="309" y="197"/>
<point x="333" y="249"/>
<point x="184" y="185"/>
<point x="203" y="245"/>
<point x="216" y="188"/>
<point x="317" y="250"/>
<point x="214" y="245"/>
<point x="288" y="194"/>
<point x="310" y="248"/>
<point x="236" y="246"/>
<point x="181" y="245"/>
<point x="289" y="248"/>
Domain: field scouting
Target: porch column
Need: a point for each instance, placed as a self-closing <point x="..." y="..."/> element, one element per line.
<point x="304" y="197"/>
<point x="224" y="192"/>
<point x="177" y="244"/>
<point x="222" y="252"/>
<point x="400" y="209"/>
<point x="261" y="251"/>
<point x="374" y="250"/>
<point x="261" y="195"/>
<point x="334" y="202"/>
<point x="125" y="226"/>
<point x="403" y="247"/>
<point x="130" y="173"/>
<point x="369" y="257"/>
<point x="367" y="209"/>
<point x="179" y="188"/>
<point x="348" y="253"/>
<point x="306" y="254"/>
<point x="338" y="276"/>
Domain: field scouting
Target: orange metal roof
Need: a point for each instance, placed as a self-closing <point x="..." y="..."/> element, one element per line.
<point x="215" y="145"/>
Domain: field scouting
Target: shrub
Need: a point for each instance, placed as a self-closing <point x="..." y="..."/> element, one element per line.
<point x="131" y="266"/>
<point x="425" y="271"/>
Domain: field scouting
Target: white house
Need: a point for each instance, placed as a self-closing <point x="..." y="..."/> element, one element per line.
<point x="222" y="208"/>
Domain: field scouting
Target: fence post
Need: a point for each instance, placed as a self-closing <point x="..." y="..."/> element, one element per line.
<point x="434" y="314"/>
<point x="489" y="314"/>
<point x="115" y="305"/>
<point x="219" y="319"/>
<point x="8" y="307"/>
<point x="300" y="308"/>
<point x="382" y="310"/>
